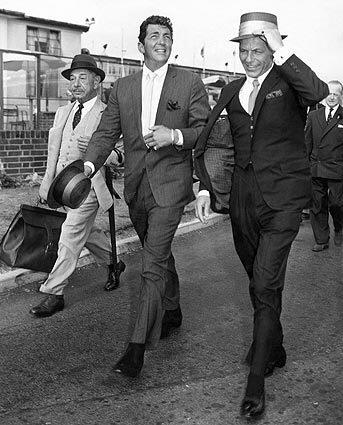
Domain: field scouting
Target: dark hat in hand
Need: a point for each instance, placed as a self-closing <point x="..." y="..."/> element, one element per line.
<point x="253" y="23"/>
<point x="83" y="61"/>
<point x="70" y="187"/>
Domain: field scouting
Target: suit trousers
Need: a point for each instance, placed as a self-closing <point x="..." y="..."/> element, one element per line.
<point x="156" y="227"/>
<point x="263" y="239"/>
<point x="327" y="196"/>
<point x="77" y="231"/>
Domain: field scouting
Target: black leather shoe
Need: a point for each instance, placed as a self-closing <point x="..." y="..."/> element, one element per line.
<point x="131" y="363"/>
<point x="49" y="306"/>
<point x="278" y="361"/>
<point x="318" y="247"/>
<point x="253" y="406"/>
<point x="113" y="276"/>
<point x="172" y="319"/>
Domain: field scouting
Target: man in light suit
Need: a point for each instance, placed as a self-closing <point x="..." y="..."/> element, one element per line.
<point x="160" y="112"/>
<point x="271" y="180"/>
<point x="68" y="139"/>
<point x="324" y="140"/>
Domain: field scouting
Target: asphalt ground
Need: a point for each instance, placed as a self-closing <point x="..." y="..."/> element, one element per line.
<point x="58" y="370"/>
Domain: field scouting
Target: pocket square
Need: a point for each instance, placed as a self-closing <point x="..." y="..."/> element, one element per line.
<point x="340" y="126"/>
<point x="274" y="94"/>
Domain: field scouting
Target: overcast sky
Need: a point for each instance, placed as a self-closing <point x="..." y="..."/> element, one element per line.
<point x="314" y="27"/>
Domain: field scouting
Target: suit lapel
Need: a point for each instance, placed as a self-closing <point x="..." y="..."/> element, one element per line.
<point x="321" y="118"/>
<point x="333" y="122"/>
<point x="267" y="85"/>
<point x="136" y="96"/>
<point x="166" y="94"/>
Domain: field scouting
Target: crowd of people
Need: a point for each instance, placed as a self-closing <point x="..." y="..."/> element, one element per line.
<point x="258" y="170"/>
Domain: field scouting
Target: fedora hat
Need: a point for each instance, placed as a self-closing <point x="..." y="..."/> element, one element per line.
<point x="253" y="23"/>
<point x="84" y="61"/>
<point x="70" y="187"/>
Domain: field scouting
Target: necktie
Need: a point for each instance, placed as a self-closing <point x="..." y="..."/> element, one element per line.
<point x="329" y="118"/>
<point x="77" y="116"/>
<point x="147" y="104"/>
<point x="253" y="96"/>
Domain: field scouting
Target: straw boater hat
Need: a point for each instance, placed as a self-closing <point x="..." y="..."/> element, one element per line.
<point x="253" y="23"/>
<point x="84" y="61"/>
<point x="70" y="187"/>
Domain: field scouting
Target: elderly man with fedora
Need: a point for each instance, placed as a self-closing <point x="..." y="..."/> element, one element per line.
<point x="270" y="183"/>
<point x="73" y="127"/>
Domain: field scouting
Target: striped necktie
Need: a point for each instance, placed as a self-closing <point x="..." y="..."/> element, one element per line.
<point x="77" y="116"/>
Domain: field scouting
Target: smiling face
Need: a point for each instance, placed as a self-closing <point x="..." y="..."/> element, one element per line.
<point x="83" y="84"/>
<point x="335" y="95"/>
<point x="255" y="56"/>
<point x="157" y="46"/>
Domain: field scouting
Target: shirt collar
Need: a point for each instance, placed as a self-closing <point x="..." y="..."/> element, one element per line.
<point x="160" y="72"/>
<point x="261" y="78"/>
<point x="334" y="109"/>
<point x="87" y="105"/>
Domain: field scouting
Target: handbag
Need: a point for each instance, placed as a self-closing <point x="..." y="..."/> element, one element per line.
<point x="31" y="241"/>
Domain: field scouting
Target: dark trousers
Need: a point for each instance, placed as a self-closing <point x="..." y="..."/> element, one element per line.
<point x="263" y="239"/>
<point x="156" y="227"/>
<point x="327" y="196"/>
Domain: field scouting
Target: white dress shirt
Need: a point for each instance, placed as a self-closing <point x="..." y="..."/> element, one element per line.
<point x="327" y="110"/>
<point x="87" y="106"/>
<point x="159" y="76"/>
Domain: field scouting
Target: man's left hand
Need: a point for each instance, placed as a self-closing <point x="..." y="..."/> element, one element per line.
<point x="273" y="38"/>
<point x="159" y="137"/>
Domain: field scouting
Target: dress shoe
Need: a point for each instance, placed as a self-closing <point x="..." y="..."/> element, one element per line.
<point x="172" y="319"/>
<point x="49" y="306"/>
<point x="113" y="276"/>
<point x="278" y="361"/>
<point x="320" y="247"/>
<point x="338" y="238"/>
<point x="131" y="363"/>
<point x="253" y="407"/>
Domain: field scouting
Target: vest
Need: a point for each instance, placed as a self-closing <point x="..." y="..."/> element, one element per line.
<point x="69" y="150"/>
<point x="242" y="131"/>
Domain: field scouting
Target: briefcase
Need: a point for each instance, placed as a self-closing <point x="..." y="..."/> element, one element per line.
<point x="31" y="240"/>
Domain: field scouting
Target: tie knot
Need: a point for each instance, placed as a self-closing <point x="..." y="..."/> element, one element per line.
<point x="255" y="83"/>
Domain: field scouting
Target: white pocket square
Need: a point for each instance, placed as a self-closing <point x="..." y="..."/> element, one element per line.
<point x="340" y="125"/>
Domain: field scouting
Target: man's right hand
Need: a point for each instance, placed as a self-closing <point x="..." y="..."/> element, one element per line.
<point x="202" y="208"/>
<point x="87" y="170"/>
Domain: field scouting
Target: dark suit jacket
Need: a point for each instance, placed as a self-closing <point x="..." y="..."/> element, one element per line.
<point x="325" y="144"/>
<point x="278" y="147"/>
<point x="169" y="170"/>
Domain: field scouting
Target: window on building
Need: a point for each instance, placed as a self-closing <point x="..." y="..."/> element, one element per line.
<point x="43" y="40"/>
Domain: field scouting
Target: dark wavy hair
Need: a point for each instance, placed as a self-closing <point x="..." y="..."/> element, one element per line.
<point x="154" y="20"/>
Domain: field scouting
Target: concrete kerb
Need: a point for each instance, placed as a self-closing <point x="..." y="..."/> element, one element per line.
<point x="16" y="278"/>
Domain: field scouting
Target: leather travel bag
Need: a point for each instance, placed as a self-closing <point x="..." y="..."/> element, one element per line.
<point x="31" y="241"/>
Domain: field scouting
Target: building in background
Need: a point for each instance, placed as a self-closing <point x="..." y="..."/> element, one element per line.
<point x="34" y="51"/>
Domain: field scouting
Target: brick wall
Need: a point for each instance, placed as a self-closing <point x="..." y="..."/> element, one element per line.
<point x="23" y="152"/>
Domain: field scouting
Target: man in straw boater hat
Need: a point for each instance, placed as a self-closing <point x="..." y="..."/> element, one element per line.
<point x="270" y="182"/>
<point x="68" y="139"/>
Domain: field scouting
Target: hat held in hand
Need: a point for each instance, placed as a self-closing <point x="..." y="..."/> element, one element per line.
<point x="253" y="23"/>
<point x="70" y="187"/>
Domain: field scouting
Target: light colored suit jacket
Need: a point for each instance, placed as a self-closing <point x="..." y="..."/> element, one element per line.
<point x="90" y="121"/>
<point x="183" y="105"/>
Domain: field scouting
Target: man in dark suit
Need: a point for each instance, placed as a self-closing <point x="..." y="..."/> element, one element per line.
<point x="324" y="140"/>
<point x="160" y="112"/>
<point x="271" y="180"/>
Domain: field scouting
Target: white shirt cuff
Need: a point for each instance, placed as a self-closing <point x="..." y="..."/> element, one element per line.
<point x="90" y="165"/>
<point x="180" y="138"/>
<point x="203" y="192"/>
<point x="281" y="55"/>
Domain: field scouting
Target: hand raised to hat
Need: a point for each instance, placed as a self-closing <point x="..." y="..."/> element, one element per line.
<point x="272" y="37"/>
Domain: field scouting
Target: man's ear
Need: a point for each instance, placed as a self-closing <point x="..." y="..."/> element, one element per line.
<point x="97" y="81"/>
<point x="141" y="47"/>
